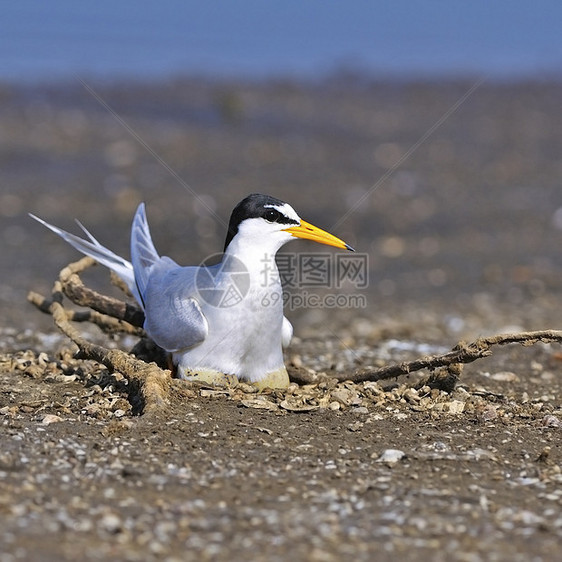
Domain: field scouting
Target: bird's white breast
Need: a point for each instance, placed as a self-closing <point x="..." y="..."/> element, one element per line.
<point x="244" y="338"/>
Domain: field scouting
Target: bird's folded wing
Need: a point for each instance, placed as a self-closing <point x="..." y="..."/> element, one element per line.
<point x="174" y="319"/>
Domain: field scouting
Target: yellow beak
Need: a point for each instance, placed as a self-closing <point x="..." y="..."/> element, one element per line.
<point x="311" y="232"/>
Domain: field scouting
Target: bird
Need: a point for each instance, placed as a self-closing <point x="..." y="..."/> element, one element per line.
<point x="224" y="322"/>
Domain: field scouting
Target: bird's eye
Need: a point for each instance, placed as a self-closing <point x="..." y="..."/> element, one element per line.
<point x="271" y="216"/>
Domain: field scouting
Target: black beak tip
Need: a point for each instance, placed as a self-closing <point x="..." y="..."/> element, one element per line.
<point x="348" y="247"/>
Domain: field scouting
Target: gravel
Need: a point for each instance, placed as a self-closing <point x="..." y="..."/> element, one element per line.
<point x="463" y="240"/>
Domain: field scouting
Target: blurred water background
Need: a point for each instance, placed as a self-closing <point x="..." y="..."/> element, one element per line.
<point x="504" y="39"/>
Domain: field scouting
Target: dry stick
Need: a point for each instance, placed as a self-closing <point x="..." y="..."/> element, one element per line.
<point x="461" y="353"/>
<point x="152" y="383"/>
<point x="109" y="314"/>
<point x="106" y="323"/>
<point x="79" y="294"/>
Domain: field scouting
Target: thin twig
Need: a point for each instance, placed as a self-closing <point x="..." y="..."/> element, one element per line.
<point x="79" y="294"/>
<point x="461" y="353"/>
<point x="106" y="323"/>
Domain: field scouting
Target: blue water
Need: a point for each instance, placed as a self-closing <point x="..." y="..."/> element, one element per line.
<point x="504" y="39"/>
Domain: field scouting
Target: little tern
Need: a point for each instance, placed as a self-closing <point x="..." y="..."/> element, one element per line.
<point x="220" y="322"/>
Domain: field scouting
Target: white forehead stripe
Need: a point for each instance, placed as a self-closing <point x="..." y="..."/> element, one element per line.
<point x="286" y="210"/>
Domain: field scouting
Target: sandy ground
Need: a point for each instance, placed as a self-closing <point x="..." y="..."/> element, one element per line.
<point x="462" y="238"/>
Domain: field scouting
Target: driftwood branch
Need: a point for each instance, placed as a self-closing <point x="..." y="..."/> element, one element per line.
<point x="106" y="323"/>
<point x="150" y="382"/>
<point x="462" y="353"/>
<point x="79" y="294"/>
<point x="150" y="385"/>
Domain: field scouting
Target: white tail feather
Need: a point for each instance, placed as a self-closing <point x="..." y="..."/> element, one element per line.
<point x="92" y="248"/>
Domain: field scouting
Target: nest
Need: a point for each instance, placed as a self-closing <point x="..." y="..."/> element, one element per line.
<point x="146" y="366"/>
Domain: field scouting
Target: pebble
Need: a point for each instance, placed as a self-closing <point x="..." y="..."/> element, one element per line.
<point x="505" y="376"/>
<point x="51" y="418"/>
<point x="391" y="456"/>
<point x="343" y="396"/>
<point x="455" y="406"/>
<point x="488" y="413"/>
<point x="361" y="410"/>
<point x="355" y="426"/>
<point x="551" y="421"/>
<point x="346" y="397"/>
<point x="111" y="523"/>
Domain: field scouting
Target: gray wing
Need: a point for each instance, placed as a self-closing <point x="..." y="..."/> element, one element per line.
<point x="174" y="319"/>
<point x="143" y="253"/>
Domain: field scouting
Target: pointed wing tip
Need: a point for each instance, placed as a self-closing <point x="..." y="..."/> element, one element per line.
<point x="44" y="223"/>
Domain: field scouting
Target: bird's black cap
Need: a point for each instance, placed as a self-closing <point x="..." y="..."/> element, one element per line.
<point x="255" y="205"/>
